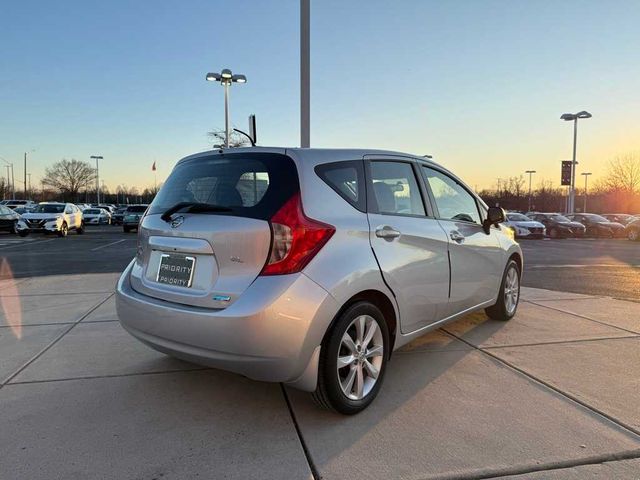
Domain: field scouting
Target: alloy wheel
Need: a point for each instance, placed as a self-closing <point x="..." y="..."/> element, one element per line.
<point x="511" y="290"/>
<point x="360" y="357"/>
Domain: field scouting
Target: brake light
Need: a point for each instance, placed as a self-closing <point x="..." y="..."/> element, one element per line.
<point x="296" y="238"/>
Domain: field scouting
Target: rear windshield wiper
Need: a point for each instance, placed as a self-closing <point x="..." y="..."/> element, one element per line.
<point x="193" y="207"/>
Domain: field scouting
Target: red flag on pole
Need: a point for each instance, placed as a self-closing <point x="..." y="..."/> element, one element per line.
<point x="153" y="167"/>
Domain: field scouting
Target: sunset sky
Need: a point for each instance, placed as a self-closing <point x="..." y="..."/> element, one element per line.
<point x="480" y="85"/>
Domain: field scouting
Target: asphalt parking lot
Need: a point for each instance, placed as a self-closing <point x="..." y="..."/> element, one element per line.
<point x="552" y="394"/>
<point x="591" y="266"/>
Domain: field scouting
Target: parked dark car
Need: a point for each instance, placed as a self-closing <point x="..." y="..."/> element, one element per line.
<point x="622" y="218"/>
<point x="559" y="226"/>
<point x="132" y="216"/>
<point x="598" y="226"/>
<point x="632" y="230"/>
<point x="118" y="216"/>
<point x="8" y="219"/>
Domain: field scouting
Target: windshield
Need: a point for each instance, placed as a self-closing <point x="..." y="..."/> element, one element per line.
<point x="137" y="209"/>
<point x="560" y="218"/>
<point x="252" y="185"/>
<point x="517" y="217"/>
<point x="49" y="209"/>
<point x="596" y="218"/>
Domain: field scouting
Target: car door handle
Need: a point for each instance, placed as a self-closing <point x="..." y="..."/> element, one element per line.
<point x="387" y="232"/>
<point x="456" y="236"/>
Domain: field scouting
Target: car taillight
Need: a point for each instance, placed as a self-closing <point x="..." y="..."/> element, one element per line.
<point x="296" y="238"/>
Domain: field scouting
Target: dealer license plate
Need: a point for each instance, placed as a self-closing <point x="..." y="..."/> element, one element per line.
<point x="176" y="270"/>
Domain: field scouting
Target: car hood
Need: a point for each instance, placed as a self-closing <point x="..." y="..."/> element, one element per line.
<point x="529" y="224"/>
<point x="40" y="216"/>
<point x="613" y="225"/>
<point x="571" y="224"/>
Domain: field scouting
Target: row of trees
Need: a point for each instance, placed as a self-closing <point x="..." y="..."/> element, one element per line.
<point x="75" y="181"/>
<point x="618" y="191"/>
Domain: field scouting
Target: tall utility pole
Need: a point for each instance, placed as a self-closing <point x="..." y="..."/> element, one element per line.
<point x="25" y="175"/>
<point x="573" y="117"/>
<point x="97" y="157"/>
<point x="586" y="175"/>
<point x="305" y="73"/>
<point x="530" y="172"/>
<point x="29" y="175"/>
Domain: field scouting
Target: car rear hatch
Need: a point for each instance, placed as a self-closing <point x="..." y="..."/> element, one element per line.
<point x="219" y="238"/>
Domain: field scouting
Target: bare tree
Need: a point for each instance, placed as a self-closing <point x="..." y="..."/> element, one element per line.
<point x="235" y="139"/>
<point x="624" y="173"/>
<point x="69" y="177"/>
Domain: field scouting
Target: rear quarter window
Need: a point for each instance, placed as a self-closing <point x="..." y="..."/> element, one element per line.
<point x="347" y="180"/>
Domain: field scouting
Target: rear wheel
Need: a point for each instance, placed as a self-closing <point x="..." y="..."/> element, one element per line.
<point x="353" y="360"/>
<point x="507" y="303"/>
<point x="633" y="234"/>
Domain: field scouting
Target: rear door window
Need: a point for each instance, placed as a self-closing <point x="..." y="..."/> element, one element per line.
<point x="253" y="185"/>
<point x="347" y="180"/>
<point x="395" y="189"/>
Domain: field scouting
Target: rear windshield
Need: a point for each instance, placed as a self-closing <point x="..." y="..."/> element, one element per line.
<point x="252" y="185"/>
<point x="136" y="209"/>
<point x="92" y="211"/>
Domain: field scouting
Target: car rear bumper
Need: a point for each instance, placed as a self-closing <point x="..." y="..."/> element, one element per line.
<point x="271" y="333"/>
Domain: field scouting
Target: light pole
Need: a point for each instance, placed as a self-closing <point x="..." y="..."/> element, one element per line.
<point x="573" y="117"/>
<point x="305" y="73"/>
<point x="530" y="172"/>
<point x="226" y="78"/>
<point x="586" y="175"/>
<point x="97" y="157"/>
<point x="10" y="181"/>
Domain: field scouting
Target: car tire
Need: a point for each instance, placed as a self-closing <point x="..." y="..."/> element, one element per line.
<point x="64" y="229"/>
<point x="633" y="234"/>
<point x="507" y="305"/>
<point x="80" y="229"/>
<point x="23" y="234"/>
<point x="126" y="229"/>
<point x="351" y="388"/>
<point x="553" y="233"/>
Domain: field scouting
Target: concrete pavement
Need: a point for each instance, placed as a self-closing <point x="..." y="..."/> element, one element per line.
<point x="552" y="394"/>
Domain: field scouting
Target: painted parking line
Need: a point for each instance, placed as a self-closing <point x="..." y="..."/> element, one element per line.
<point x="108" y="245"/>
<point x="25" y="241"/>
<point x="596" y="265"/>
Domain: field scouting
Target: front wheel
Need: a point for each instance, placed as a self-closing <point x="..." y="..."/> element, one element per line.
<point x="126" y="229"/>
<point x="80" y="229"/>
<point x="634" y="234"/>
<point x="505" y="307"/>
<point x="63" y="230"/>
<point x="353" y="360"/>
<point x="23" y="233"/>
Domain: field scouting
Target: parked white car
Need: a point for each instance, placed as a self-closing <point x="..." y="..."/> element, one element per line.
<point x="47" y="217"/>
<point x="524" y="227"/>
<point x="96" y="216"/>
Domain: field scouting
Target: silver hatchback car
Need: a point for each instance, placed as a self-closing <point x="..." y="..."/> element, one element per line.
<point x="310" y="266"/>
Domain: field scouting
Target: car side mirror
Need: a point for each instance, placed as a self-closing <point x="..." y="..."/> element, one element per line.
<point x="495" y="215"/>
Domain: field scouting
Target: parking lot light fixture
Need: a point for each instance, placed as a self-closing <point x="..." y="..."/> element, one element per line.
<point x="586" y="175"/>
<point x="573" y="117"/>
<point x="226" y="78"/>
